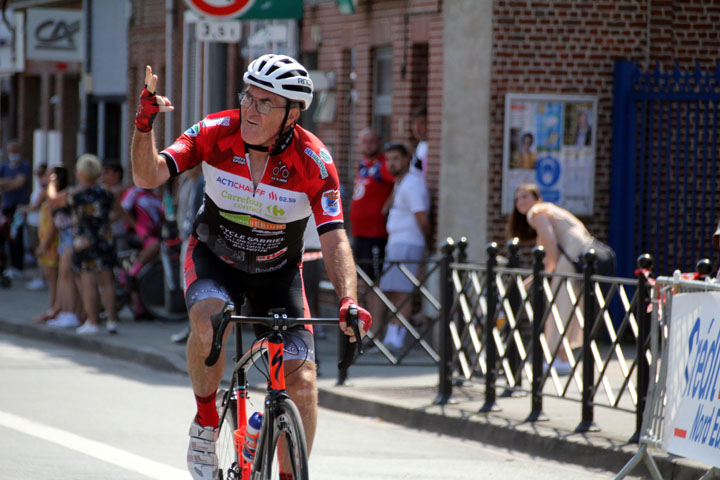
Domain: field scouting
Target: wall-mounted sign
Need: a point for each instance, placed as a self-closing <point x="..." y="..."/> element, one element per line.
<point x="55" y="35"/>
<point x="550" y="141"/>
<point x="226" y="31"/>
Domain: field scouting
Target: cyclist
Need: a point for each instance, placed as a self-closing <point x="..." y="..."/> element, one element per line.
<point x="264" y="176"/>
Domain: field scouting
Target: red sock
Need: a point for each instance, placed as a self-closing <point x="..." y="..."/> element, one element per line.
<point x="207" y="415"/>
<point x="286" y="476"/>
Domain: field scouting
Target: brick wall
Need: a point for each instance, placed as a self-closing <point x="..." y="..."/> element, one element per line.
<point x="406" y="25"/>
<point x="564" y="47"/>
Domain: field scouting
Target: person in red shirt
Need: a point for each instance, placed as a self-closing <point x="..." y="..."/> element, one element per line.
<point x="370" y="204"/>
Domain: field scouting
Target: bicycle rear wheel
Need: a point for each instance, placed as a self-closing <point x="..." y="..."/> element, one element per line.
<point x="286" y="425"/>
<point x="228" y="465"/>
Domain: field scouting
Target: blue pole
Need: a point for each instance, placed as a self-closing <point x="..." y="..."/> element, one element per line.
<point x="622" y="169"/>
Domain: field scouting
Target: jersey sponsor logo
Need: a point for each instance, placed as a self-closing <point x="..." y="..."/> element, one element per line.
<point x="318" y="161"/>
<point x="178" y="147"/>
<point x="275" y="211"/>
<point x="193" y="131"/>
<point x="271" y="269"/>
<point x="248" y="204"/>
<point x="272" y="256"/>
<point x="266" y="233"/>
<point x="280" y="173"/>
<point x="229" y="182"/>
<point x="213" y="122"/>
<point x="359" y="189"/>
<point x="239" y="160"/>
<point x="248" y="221"/>
<point x="325" y="155"/>
<point x="331" y="202"/>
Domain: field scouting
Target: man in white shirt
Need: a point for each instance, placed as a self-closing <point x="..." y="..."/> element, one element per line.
<point x="418" y="127"/>
<point x="408" y="227"/>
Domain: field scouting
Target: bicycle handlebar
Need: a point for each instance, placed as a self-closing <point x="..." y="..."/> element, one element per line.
<point x="280" y="321"/>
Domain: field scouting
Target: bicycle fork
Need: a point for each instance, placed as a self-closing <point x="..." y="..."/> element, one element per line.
<point x="275" y="349"/>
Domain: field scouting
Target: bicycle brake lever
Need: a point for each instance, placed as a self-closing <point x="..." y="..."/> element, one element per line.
<point x="353" y="318"/>
<point x="219" y="323"/>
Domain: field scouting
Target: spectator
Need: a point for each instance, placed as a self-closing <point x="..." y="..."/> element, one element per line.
<point x="47" y="252"/>
<point x="145" y="210"/>
<point x="408" y="227"/>
<point x="15" y="183"/>
<point x="371" y="194"/>
<point x="93" y="249"/>
<point x="112" y="178"/>
<point x="418" y="127"/>
<point x="32" y="222"/>
<point x="67" y="307"/>
<point x="563" y="236"/>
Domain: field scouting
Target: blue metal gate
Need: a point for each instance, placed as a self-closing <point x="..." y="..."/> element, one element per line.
<point x="664" y="194"/>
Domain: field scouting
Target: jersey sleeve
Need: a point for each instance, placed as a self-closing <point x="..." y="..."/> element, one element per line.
<point x="185" y="152"/>
<point x="324" y="191"/>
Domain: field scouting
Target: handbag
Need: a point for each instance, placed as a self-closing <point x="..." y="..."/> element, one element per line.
<point x="606" y="258"/>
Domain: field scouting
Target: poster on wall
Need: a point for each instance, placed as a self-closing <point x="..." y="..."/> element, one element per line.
<point x="549" y="140"/>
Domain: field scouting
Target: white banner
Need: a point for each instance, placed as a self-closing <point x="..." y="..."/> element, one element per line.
<point x="692" y="409"/>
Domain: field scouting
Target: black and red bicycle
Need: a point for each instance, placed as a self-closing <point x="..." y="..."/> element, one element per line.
<point x="281" y="419"/>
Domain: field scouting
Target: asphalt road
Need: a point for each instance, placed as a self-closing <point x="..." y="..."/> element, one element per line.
<point x="67" y="415"/>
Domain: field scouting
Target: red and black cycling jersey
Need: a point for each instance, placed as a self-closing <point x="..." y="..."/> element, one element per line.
<point x="257" y="229"/>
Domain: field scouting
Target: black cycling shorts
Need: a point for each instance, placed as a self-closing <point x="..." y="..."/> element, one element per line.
<point x="207" y="276"/>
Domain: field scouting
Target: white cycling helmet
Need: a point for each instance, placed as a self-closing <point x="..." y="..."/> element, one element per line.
<point x="282" y="75"/>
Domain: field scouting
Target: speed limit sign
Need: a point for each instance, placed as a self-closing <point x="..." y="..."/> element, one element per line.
<point x="220" y="8"/>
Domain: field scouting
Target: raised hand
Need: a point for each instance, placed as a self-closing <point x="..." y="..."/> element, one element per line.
<point x="150" y="104"/>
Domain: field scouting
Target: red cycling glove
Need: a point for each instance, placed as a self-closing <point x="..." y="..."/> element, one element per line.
<point x="364" y="317"/>
<point x="148" y="109"/>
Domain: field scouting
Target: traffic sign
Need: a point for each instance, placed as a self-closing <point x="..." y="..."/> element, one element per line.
<point x="227" y="31"/>
<point x="220" y="8"/>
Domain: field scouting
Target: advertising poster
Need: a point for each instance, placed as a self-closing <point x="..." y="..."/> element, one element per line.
<point x="692" y="396"/>
<point x="550" y="141"/>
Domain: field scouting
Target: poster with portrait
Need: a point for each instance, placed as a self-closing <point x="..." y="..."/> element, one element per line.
<point x="549" y="140"/>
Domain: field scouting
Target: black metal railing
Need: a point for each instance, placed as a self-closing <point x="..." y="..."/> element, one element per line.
<point x="487" y="326"/>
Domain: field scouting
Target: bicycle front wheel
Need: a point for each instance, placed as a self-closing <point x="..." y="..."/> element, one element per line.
<point x="286" y="432"/>
<point x="228" y="464"/>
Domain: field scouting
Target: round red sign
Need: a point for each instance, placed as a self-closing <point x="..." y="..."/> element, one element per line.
<point x="220" y="8"/>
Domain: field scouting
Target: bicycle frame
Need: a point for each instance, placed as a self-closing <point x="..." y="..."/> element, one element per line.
<point x="273" y="344"/>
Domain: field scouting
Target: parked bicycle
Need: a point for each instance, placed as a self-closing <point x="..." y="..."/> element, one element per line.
<point x="158" y="283"/>
<point x="281" y="420"/>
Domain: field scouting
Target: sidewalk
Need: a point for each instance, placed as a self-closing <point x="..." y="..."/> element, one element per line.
<point x="397" y="394"/>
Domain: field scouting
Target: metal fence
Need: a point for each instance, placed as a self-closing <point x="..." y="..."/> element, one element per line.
<point x="487" y="324"/>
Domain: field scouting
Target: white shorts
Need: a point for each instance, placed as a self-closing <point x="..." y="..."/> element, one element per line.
<point x="394" y="280"/>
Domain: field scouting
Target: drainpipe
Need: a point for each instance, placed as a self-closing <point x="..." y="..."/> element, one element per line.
<point x="169" y="37"/>
<point x="81" y="145"/>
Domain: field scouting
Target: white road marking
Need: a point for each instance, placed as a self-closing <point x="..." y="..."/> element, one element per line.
<point x="92" y="448"/>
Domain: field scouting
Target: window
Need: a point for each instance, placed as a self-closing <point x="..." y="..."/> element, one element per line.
<point x="382" y="92"/>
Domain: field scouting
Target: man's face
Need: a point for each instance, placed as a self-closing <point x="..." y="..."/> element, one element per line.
<point x="396" y="162"/>
<point x="259" y="129"/>
<point x="369" y="144"/>
<point x="418" y="126"/>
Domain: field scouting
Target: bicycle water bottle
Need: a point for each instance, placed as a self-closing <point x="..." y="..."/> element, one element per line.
<point x="251" y="436"/>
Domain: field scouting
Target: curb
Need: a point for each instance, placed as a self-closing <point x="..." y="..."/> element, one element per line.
<point x="93" y="345"/>
<point x="536" y="440"/>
